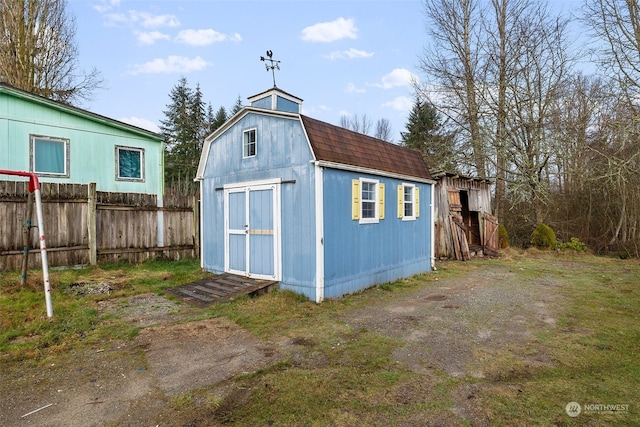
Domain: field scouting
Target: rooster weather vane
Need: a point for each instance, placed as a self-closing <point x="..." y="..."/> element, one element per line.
<point x="273" y="65"/>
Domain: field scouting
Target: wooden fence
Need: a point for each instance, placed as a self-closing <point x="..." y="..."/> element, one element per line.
<point x="84" y="226"/>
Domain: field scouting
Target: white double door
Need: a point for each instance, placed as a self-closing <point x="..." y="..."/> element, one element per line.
<point x="252" y="230"/>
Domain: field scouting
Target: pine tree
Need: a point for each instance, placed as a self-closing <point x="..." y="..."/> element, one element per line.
<point x="237" y="106"/>
<point x="425" y="134"/>
<point x="219" y="119"/>
<point x="183" y="130"/>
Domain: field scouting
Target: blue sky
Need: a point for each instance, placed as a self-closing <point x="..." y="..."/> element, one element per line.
<point x="350" y="57"/>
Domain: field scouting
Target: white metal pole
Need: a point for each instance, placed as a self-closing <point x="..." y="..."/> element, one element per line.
<point x="43" y="253"/>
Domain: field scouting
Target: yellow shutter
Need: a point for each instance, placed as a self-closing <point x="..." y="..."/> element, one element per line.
<point x="381" y="201"/>
<point x="400" y="201"/>
<point x="355" y="199"/>
<point x="417" y="201"/>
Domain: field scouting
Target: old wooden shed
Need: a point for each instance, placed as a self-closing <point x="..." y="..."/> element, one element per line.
<point x="464" y="225"/>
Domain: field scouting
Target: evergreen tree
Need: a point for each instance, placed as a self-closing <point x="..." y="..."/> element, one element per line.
<point x="188" y="122"/>
<point x="425" y="134"/>
<point x="183" y="129"/>
<point x="237" y="106"/>
<point x="219" y="119"/>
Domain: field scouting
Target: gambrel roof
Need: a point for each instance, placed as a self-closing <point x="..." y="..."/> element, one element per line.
<point x="338" y="145"/>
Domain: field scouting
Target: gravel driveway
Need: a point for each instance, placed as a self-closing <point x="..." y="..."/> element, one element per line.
<point x="458" y="326"/>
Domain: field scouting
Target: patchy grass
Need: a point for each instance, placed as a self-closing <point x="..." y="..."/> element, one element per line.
<point x="26" y="332"/>
<point x="337" y="374"/>
<point x="595" y="348"/>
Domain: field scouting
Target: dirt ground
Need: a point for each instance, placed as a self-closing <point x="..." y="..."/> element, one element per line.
<point x="458" y="326"/>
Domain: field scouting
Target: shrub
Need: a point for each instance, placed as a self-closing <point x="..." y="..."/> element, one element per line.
<point x="543" y="237"/>
<point x="503" y="237"/>
<point x="574" y="244"/>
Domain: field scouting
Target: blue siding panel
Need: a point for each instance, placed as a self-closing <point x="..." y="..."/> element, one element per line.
<point x="262" y="103"/>
<point x="362" y="255"/>
<point x="283" y="104"/>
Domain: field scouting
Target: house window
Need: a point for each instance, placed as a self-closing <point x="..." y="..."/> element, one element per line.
<point x="49" y="156"/>
<point x="129" y="164"/>
<point x="408" y="202"/>
<point x="249" y="143"/>
<point x="367" y="198"/>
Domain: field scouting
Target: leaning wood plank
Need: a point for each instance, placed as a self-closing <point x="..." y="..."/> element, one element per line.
<point x="454" y="237"/>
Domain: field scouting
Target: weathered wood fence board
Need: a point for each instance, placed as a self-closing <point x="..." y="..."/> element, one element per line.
<point x="84" y="226"/>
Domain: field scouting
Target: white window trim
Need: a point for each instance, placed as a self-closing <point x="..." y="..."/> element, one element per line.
<point x="117" y="163"/>
<point x="413" y="202"/>
<point x="376" y="199"/>
<point x="32" y="156"/>
<point x="245" y="132"/>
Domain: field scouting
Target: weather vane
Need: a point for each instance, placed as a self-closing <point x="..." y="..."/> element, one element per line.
<point x="273" y="65"/>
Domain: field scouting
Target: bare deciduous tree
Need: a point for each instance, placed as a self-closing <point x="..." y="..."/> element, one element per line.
<point x="361" y="124"/>
<point x="38" y="51"/>
<point x="617" y="24"/>
<point x="455" y="64"/>
<point x="383" y="130"/>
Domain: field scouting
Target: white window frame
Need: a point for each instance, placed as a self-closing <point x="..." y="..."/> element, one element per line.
<point x="246" y="143"/>
<point x="376" y="201"/>
<point x="412" y="203"/>
<point x="117" y="163"/>
<point x="32" y="155"/>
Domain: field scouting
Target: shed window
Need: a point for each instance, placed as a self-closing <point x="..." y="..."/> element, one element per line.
<point x="129" y="164"/>
<point x="249" y="143"/>
<point x="49" y="156"/>
<point x="367" y="197"/>
<point x="408" y="202"/>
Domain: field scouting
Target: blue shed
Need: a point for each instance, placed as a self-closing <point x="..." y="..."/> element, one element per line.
<point x="321" y="209"/>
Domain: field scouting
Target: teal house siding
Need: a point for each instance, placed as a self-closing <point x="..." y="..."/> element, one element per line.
<point x="92" y="141"/>
<point x="277" y="202"/>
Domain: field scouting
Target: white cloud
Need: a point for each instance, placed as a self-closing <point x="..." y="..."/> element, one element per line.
<point x="106" y="5"/>
<point x="171" y="64"/>
<point x="397" y="77"/>
<point x="205" y="37"/>
<point x="141" y="123"/>
<point x="330" y="31"/>
<point x="400" y="103"/>
<point x="149" y="20"/>
<point x="149" y="38"/>
<point x="144" y="19"/>
<point x="351" y="88"/>
<point x="349" y="54"/>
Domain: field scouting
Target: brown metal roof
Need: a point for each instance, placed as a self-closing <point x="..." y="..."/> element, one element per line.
<point x="339" y="145"/>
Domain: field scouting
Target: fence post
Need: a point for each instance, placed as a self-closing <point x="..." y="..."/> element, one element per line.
<point x="91" y="224"/>
<point x="196" y="226"/>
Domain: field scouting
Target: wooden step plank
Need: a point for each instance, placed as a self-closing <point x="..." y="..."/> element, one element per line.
<point x="194" y="295"/>
<point x="224" y="288"/>
<point x="246" y="281"/>
<point x="212" y="291"/>
<point x="237" y="284"/>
